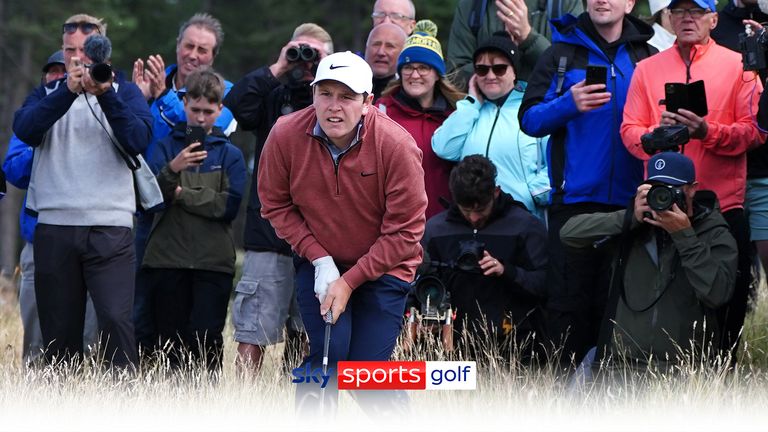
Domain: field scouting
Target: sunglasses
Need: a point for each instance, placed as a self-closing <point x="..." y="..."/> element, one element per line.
<point x="498" y="69"/>
<point x="85" y="27"/>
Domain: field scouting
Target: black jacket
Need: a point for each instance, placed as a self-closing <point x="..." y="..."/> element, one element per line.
<point x="729" y="26"/>
<point x="257" y="101"/>
<point x="518" y="240"/>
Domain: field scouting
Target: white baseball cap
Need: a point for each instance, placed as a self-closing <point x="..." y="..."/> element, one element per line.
<point x="657" y="5"/>
<point x="347" y="68"/>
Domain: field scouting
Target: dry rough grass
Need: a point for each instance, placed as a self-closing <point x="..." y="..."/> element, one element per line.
<point x="508" y="396"/>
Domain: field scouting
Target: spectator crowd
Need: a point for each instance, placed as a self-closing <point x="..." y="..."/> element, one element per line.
<point x="538" y="170"/>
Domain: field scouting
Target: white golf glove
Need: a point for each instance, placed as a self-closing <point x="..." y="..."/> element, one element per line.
<point x="325" y="273"/>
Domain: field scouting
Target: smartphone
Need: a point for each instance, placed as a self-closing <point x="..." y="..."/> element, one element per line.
<point x="691" y="96"/>
<point x="596" y="74"/>
<point x="195" y="134"/>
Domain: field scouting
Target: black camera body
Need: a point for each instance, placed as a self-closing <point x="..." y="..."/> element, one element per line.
<point x="470" y="252"/>
<point x="662" y="197"/>
<point x="100" y="72"/>
<point x="753" y="51"/>
<point x="665" y="138"/>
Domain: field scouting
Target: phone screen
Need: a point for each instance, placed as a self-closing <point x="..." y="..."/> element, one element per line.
<point x="195" y="134"/>
<point x="596" y="74"/>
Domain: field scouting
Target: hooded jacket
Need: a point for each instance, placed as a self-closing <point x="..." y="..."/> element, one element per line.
<point x="194" y="231"/>
<point x="586" y="158"/>
<point x="422" y="124"/>
<point x="515" y="238"/>
<point x="666" y="306"/>
<point x="492" y="130"/>
<point x="729" y="26"/>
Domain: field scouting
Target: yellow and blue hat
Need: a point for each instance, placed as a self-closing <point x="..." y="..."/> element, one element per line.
<point x="423" y="47"/>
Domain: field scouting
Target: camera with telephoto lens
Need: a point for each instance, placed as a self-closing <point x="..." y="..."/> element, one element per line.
<point x="665" y="138"/>
<point x="753" y="48"/>
<point x="662" y="197"/>
<point x="100" y="72"/>
<point x="433" y="298"/>
<point x="303" y="52"/>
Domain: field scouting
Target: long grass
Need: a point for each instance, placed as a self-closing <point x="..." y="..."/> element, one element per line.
<point x="509" y="396"/>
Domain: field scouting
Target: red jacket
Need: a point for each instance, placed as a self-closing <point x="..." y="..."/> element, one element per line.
<point x="367" y="213"/>
<point x="721" y="157"/>
<point x="422" y="125"/>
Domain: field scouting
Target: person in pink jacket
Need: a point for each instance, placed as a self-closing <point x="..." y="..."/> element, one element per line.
<point x="719" y="140"/>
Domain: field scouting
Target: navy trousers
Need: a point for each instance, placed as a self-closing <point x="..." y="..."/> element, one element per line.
<point x="367" y="330"/>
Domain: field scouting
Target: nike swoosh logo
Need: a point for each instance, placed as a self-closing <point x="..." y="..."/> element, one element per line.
<point x="365" y="174"/>
<point x="336" y="67"/>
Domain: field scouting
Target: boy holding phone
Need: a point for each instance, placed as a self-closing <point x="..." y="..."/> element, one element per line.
<point x="190" y="256"/>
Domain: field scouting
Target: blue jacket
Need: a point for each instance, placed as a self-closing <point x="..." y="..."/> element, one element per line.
<point x="585" y="155"/>
<point x="126" y="110"/>
<point x="493" y="132"/>
<point x="168" y="110"/>
<point x="18" y="168"/>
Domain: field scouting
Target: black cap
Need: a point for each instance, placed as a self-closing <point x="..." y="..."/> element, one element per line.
<point x="54" y="59"/>
<point x="500" y="41"/>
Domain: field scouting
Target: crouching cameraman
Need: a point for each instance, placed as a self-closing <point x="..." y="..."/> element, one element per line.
<point x="506" y="284"/>
<point x="675" y="265"/>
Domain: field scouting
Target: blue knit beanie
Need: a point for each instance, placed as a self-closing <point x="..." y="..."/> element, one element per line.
<point x="423" y="47"/>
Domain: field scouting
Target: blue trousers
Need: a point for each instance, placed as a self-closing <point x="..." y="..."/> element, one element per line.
<point x="367" y="330"/>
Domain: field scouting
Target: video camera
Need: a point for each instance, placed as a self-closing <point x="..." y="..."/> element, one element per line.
<point x="99" y="49"/>
<point x="665" y="138"/>
<point x="429" y="306"/>
<point x="753" y="49"/>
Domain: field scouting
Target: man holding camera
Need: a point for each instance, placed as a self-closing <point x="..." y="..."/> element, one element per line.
<point x="83" y="193"/>
<point x="264" y="296"/>
<point x="719" y="140"/>
<point x="674" y="265"/>
<point x="506" y="283"/>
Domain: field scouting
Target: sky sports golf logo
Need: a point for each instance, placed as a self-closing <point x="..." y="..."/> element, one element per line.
<point x="393" y="375"/>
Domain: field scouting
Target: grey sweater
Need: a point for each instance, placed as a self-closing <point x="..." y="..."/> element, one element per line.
<point x="78" y="177"/>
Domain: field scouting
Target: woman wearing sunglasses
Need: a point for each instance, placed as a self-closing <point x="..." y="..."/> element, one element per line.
<point x="420" y="100"/>
<point x="485" y="123"/>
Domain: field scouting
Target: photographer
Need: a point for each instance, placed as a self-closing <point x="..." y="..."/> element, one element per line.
<point x="672" y="268"/>
<point x="508" y="281"/>
<point x="264" y="296"/>
<point x="719" y="140"/>
<point x="83" y="193"/>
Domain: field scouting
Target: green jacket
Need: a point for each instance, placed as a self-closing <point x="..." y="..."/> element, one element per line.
<point x="195" y="230"/>
<point x="462" y="42"/>
<point x="695" y="276"/>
